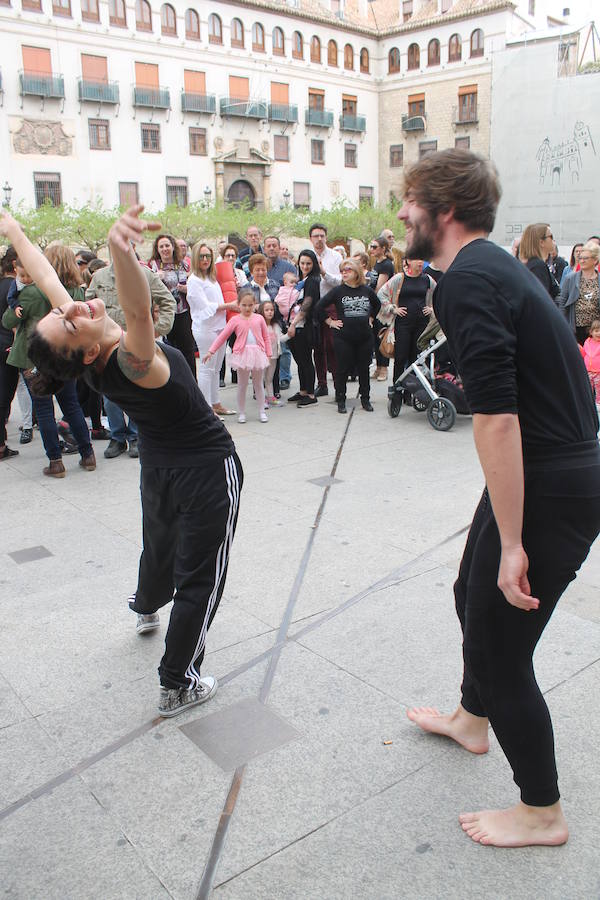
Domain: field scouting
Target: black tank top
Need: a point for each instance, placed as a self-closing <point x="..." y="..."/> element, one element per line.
<point x="177" y="427"/>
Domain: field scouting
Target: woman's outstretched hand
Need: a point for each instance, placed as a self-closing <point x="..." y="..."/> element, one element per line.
<point x="8" y="225"/>
<point x="130" y="228"/>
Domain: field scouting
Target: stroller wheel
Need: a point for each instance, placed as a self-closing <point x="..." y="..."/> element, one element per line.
<point x="418" y="404"/>
<point x="441" y="414"/>
<point x="394" y="406"/>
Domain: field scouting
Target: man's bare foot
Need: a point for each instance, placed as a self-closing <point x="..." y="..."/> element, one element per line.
<point x="519" y="826"/>
<point x="470" y="731"/>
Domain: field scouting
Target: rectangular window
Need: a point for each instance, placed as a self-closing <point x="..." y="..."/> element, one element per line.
<point x="316" y="99"/>
<point x="317" y="152"/>
<point x="280" y="93"/>
<point x="366" y="195"/>
<point x="36" y="61"/>
<point x="396" y="156"/>
<point x="467" y="103"/>
<point x="32" y="5"/>
<point x="350" y="156"/>
<point x="194" y="82"/>
<point x="301" y="195"/>
<point x="407" y="10"/>
<point x="61" y="7"/>
<point x="198" y="142"/>
<point x="416" y="104"/>
<point x="239" y="88"/>
<point x="462" y="143"/>
<point x="47" y="188"/>
<point x="349" y="105"/>
<point x="281" y="147"/>
<point x="128" y="193"/>
<point x="94" y="68"/>
<point x="150" y="137"/>
<point x="427" y="147"/>
<point x="177" y="191"/>
<point x="90" y="11"/>
<point x="146" y="75"/>
<point x="99" y="134"/>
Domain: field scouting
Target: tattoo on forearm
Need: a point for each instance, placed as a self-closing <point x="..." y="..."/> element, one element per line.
<point x="132" y="366"/>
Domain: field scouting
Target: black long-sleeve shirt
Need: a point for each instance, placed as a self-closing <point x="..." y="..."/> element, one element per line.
<point x="354" y="306"/>
<point x="515" y="351"/>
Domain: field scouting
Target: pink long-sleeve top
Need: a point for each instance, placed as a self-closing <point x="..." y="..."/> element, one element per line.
<point x="591" y="355"/>
<point x="241" y="326"/>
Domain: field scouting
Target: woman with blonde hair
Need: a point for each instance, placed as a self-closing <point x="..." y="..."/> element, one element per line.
<point x="535" y="248"/>
<point x="356" y="306"/>
<point x="580" y="292"/>
<point x="209" y="314"/>
<point x="34" y="306"/>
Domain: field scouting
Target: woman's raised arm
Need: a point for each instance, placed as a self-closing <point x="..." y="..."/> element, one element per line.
<point x="34" y="261"/>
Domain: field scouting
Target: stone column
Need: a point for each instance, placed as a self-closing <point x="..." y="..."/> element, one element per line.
<point x="219" y="185"/>
<point x="267" y="187"/>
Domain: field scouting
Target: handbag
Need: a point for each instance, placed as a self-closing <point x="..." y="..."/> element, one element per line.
<point x="387" y="343"/>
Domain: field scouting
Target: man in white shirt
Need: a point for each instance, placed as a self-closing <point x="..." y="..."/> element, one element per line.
<point x="329" y="262"/>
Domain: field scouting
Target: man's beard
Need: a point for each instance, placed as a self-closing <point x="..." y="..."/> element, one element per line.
<point x="421" y="241"/>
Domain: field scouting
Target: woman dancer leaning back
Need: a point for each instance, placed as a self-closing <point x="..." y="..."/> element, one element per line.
<point x="191" y="475"/>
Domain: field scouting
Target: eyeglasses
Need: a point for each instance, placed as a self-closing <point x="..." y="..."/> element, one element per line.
<point x="548" y="237"/>
<point x="373" y="246"/>
<point x="205" y="256"/>
<point x="346" y="269"/>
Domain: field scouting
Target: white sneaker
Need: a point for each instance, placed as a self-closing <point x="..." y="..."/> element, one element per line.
<point x="147" y="623"/>
<point x="263" y="416"/>
<point x="242" y="418"/>
<point x="173" y="701"/>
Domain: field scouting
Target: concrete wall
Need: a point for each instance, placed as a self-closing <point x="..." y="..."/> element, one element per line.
<point x="545" y="141"/>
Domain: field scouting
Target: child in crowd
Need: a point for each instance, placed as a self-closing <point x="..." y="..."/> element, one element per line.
<point x="287" y="294"/>
<point x="591" y="356"/>
<point x="267" y="311"/>
<point x="22" y="279"/>
<point x="251" y="351"/>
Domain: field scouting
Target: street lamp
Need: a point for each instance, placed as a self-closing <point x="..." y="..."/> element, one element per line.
<point x="207" y="195"/>
<point x="7" y="194"/>
<point x="286" y="197"/>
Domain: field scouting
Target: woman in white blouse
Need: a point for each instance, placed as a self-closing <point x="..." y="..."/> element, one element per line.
<point x="208" y="310"/>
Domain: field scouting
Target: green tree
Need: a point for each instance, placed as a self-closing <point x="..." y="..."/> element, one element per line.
<point x="89" y="225"/>
<point x="43" y="225"/>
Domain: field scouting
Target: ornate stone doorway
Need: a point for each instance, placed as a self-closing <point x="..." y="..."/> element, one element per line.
<point x="241" y="192"/>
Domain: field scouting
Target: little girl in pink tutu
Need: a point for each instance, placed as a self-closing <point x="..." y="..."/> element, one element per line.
<point x="251" y="352"/>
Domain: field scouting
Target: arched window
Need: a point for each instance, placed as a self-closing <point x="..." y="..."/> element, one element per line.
<point x="168" y="22"/>
<point x="393" y="61"/>
<point x="117" y="14"/>
<point x="258" y="37"/>
<point x="215" y="29"/>
<point x="332" y="59"/>
<point x="414" y="56"/>
<point x="315" y="49"/>
<point x="433" y="53"/>
<point x="364" y="60"/>
<point x="348" y="57"/>
<point x="278" y="42"/>
<point x="477" y="42"/>
<point x="455" y="48"/>
<point x="297" y="45"/>
<point x="143" y="15"/>
<point x="237" y="33"/>
<point x="192" y="25"/>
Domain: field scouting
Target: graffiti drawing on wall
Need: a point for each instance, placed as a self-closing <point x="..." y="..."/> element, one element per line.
<point x="565" y="161"/>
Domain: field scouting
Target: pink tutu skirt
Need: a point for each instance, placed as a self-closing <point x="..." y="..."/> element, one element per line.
<point x="251" y="357"/>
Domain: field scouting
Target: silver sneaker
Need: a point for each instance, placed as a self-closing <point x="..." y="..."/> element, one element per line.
<point x="173" y="701"/>
<point x="147" y="623"/>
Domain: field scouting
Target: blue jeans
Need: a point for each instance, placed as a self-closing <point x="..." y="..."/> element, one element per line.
<point x="120" y="430"/>
<point x="285" y="363"/>
<point x="71" y="410"/>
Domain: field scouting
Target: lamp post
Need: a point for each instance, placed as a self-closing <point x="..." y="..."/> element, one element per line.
<point x="286" y="197"/>
<point x="7" y="194"/>
<point x="207" y="195"/>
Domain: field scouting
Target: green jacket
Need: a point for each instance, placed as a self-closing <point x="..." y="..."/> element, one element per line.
<point x="35" y="305"/>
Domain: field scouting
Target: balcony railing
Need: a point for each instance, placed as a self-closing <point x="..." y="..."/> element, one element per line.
<point x="279" y="112"/>
<point x="152" y="98"/>
<point x="36" y="84"/>
<point x="461" y="116"/>
<point x="413" y="123"/>
<point x="198" y="103"/>
<point x="246" y="109"/>
<point x="353" y="123"/>
<point x="322" y="118"/>
<point x="98" y="91"/>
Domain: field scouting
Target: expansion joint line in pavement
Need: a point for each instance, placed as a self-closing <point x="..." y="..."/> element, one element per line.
<point x="216" y="849"/>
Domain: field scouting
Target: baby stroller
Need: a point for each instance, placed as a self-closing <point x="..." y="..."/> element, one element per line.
<point x="433" y="383"/>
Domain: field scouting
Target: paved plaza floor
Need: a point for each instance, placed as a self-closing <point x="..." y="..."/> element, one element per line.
<point x="302" y="778"/>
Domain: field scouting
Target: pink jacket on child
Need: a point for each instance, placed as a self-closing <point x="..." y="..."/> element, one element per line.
<point x="591" y="355"/>
<point x="242" y="326"/>
<point x="285" y="299"/>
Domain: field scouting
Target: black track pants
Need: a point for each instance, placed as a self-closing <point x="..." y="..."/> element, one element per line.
<point x="189" y="520"/>
<point x="561" y="521"/>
